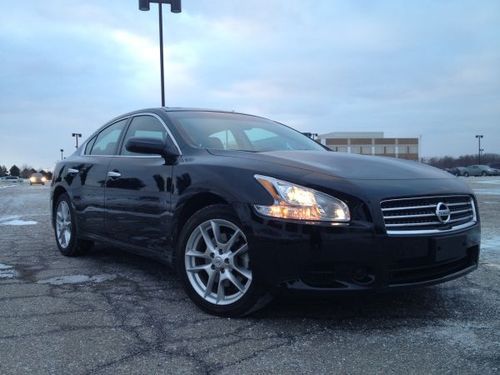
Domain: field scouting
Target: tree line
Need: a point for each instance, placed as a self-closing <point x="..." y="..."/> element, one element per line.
<point x="461" y="161"/>
<point x="24" y="172"/>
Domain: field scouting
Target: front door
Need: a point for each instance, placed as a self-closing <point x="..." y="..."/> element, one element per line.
<point x="137" y="191"/>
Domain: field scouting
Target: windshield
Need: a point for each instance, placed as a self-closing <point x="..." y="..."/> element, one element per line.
<point x="230" y="131"/>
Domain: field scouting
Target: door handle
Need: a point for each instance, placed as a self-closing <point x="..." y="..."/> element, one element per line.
<point x="114" y="174"/>
<point x="73" y="171"/>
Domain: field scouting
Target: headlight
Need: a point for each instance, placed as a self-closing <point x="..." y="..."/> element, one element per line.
<point x="32" y="179"/>
<point x="44" y="179"/>
<point x="296" y="202"/>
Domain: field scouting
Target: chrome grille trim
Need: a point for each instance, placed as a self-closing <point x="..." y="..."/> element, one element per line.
<point x="417" y="215"/>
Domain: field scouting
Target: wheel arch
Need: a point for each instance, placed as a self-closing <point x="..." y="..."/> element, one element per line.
<point x="58" y="191"/>
<point x="193" y="204"/>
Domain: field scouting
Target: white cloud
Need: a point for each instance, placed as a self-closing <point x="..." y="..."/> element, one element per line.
<point x="320" y="65"/>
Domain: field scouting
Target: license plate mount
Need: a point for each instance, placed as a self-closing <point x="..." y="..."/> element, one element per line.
<point x="449" y="248"/>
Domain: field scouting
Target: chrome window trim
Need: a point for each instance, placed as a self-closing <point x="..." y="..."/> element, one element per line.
<point x="82" y="149"/>
<point x="165" y="126"/>
<point x="96" y="133"/>
<point x="455" y="228"/>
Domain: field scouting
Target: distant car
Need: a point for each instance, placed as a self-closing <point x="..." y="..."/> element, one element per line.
<point x="14" y="179"/>
<point x="495" y="166"/>
<point x="458" y="171"/>
<point x="481" y="170"/>
<point x="37" y="178"/>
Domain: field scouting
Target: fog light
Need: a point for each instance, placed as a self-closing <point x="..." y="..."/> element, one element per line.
<point x="362" y="276"/>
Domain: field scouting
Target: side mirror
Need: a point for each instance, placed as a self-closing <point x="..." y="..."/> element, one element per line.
<point x="151" y="146"/>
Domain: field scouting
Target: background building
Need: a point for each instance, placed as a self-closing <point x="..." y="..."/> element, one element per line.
<point x="372" y="143"/>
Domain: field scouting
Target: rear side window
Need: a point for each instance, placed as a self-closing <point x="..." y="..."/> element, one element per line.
<point x="144" y="127"/>
<point x="107" y="140"/>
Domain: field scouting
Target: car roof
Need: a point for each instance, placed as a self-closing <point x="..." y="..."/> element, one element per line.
<point x="183" y="109"/>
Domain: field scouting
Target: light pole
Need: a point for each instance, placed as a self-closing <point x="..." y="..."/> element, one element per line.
<point x="76" y="136"/>
<point x="479" y="149"/>
<point x="62" y="154"/>
<point x="175" y="7"/>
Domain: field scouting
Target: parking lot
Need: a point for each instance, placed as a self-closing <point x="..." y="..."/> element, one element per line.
<point x="112" y="312"/>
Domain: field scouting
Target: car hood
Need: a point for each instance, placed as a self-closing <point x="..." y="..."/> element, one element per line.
<point x="344" y="165"/>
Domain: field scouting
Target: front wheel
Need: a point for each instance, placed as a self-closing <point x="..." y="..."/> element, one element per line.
<point x="214" y="264"/>
<point x="66" y="230"/>
<point x="466" y="174"/>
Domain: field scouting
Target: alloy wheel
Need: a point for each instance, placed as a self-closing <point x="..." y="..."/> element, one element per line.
<point x="63" y="224"/>
<point x="217" y="262"/>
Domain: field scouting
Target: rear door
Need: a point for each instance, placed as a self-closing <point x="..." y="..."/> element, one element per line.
<point x="90" y="173"/>
<point x="138" y="190"/>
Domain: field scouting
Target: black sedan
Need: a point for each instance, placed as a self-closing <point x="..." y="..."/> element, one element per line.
<point x="244" y="207"/>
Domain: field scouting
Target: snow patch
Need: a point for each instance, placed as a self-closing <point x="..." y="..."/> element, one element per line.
<point x="7" y="218"/>
<point x="18" y="222"/>
<point x="493" y="265"/>
<point x="77" y="279"/>
<point x="487" y="192"/>
<point x="491" y="181"/>
<point x="7" y="272"/>
<point x="7" y="186"/>
<point x="491" y="242"/>
<point x="490" y="251"/>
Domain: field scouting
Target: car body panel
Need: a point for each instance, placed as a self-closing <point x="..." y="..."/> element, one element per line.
<point x="86" y="189"/>
<point x="138" y="201"/>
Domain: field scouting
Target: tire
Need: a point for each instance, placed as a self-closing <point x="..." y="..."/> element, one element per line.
<point x="466" y="174"/>
<point x="66" y="230"/>
<point x="483" y="173"/>
<point x="217" y="274"/>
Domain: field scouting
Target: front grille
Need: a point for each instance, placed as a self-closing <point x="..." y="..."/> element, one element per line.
<point x="418" y="214"/>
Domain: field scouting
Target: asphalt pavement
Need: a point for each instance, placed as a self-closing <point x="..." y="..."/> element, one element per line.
<point x="111" y="312"/>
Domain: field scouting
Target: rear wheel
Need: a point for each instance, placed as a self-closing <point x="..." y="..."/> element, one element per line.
<point x="214" y="264"/>
<point x="483" y="173"/>
<point x="66" y="230"/>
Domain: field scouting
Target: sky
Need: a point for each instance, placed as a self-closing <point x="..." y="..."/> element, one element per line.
<point x="428" y="69"/>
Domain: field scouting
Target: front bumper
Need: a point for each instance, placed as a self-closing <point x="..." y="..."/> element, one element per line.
<point x="340" y="259"/>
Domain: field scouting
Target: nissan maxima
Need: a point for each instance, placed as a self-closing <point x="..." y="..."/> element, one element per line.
<point x="244" y="207"/>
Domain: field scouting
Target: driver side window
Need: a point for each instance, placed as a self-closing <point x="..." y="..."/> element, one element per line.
<point x="143" y="127"/>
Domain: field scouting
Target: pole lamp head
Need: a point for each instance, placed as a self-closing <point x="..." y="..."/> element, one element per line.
<point x="144" y="5"/>
<point x="175" y="5"/>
